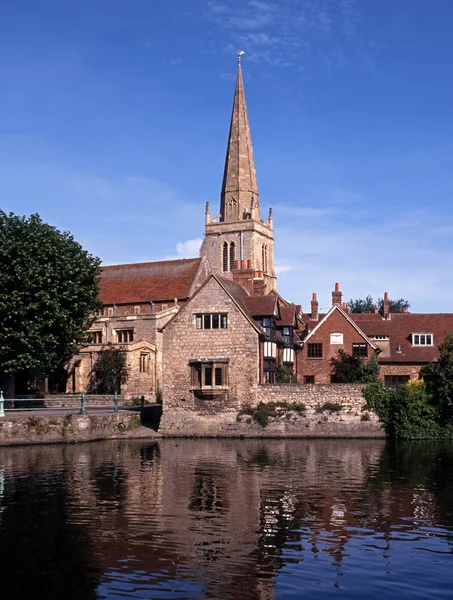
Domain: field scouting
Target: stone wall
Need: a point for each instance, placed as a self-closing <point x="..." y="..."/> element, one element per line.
<point x="335" y="410"/>
<point x="183" y="343"/>
<point x="67" y="428"/>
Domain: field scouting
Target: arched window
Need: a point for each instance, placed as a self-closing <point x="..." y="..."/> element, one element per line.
<point x="263" y="259"/>
<point x="232" y="255"/>
<point x="225" y="257"/>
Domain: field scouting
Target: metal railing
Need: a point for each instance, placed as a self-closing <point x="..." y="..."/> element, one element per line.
<point x="49" y="403"/>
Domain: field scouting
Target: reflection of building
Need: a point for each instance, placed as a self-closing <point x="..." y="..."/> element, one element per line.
<point x="225" y="517"/>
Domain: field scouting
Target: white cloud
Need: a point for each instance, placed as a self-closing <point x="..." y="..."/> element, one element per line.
<point x="279" y="269"/>
<point x="189" y="248"/>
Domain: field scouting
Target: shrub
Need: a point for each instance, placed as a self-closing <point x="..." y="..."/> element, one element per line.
<point x="266" y="410"/>
<point x="352" y="369"/>
<point x="109" y="372"/>
<point x="331" y="407"/>
<point x="406" y="412"/>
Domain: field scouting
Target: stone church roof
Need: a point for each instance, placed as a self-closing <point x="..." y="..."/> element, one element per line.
<point x="144" y="282"/>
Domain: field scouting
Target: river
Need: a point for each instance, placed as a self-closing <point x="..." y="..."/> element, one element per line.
<point x="227" y="519"/>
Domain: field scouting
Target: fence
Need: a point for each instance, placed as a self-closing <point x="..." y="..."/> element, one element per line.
<point x="66" y="403"/>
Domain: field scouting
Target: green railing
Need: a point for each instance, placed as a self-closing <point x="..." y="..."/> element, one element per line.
<point x="54" y="403"/>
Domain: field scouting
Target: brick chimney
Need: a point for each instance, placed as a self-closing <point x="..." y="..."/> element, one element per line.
<point x="258" y="283"/>
<point x="336" y="295"/>
<point x="314" y="307"/>
<point x="346" y="307"/>
<point x="386" y="313"/>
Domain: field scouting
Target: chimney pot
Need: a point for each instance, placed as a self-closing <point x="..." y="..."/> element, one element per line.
<point x="337" y="287"/>
<point x="236" y="264"/>
<point x="315" y="297"/>
<point x="249" y="264"/>
<point x="386" y="295"/>
<point x="242" y="264"/>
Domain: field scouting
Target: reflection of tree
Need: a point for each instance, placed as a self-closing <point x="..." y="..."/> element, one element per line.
<point x="42" y="553"/>
<point x="110" y="484"/>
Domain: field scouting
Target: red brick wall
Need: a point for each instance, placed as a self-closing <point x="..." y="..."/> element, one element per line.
<point x="320" y="367"/>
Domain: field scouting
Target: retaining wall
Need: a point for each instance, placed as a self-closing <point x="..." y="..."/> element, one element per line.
<point x="67" y="428"/>
<point x="335" y="410"/>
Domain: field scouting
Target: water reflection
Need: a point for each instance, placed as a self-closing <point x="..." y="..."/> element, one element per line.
<point x="224" y="519"/>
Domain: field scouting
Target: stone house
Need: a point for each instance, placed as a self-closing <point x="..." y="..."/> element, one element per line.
<point x="218" y="349"/>
<point x="138" y="299"/>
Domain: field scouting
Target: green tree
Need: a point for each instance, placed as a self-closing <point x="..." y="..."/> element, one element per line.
<point x="109" y="371"/>
<point x="396" y="306"/>
<point x="48" y="294"/>
<point x="360" y="305"/>
<point x="438" y="377"/>
<point x="353" y="369"/>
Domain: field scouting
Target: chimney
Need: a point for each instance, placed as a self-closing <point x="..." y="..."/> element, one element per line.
<point x="314" y="308"/>
<point x="386" y="313"/>
<point x="336" y="295"/>
<point x="243" y="275"/>
<point x="258" y="283"/>
<point x="346" y="307"/>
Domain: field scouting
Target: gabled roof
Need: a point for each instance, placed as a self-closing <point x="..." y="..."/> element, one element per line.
<point x="399" y="328"/>
<point x="322" y="321"/>
<point x="287" y="316"/>
<point x="236" y="292"/>
<point x="262" y="306"/>
<point x="145" y="282"/>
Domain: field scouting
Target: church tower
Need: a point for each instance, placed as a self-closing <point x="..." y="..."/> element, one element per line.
<point x="238" y="237"/>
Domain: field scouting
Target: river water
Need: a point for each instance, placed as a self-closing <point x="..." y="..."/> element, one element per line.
<point x="227" y="519"/>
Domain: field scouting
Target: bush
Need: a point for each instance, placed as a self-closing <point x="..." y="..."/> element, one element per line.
<point x="352" y="369"/>
<point x="266" y="410"/>
<point x="109" y="372"/>
<point x="406" y="412"/>
<point x="331" y="407"/>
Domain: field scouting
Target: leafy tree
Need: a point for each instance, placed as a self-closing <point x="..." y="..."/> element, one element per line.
<point x="109" y="371"/>
<point x="48" y="294"/>
<point x="396" y="306"/>
<point x="360" y="305"/>
<point x="438" y="377"/>
<point x="353" y="369"/>
<point x="406" y="412"/>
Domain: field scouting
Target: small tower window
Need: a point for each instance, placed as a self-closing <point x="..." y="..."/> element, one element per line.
<point x="232" y="255"/>
<point x="225" y="257"/>
<point x="264" y="258"/>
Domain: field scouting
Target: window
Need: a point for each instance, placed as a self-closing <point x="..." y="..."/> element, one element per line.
<point x="422" y="339"/>
<point x="336" y="338"/>
<point x="380" y="337"/>
<point x="110" y="311"/>
<point x="314" y="351"/>
<point x="394" y="381"/>
<point x="232" y="255"/>
<point x="288" y="355"/>
<point x="95" y="337"/>
<point x="309" y="379"/>
<point x="124" y="336"/>
<point x="264" y="258"/>
<point x="144" y="361"/>
<point x="211" y="321"/>
<point x="360" y="350"/>
<point x="287" y="335"/>
<point x="225" y="257"/>
<point x="267" y="325"/>
<point x="270" y="350"/>
<point x="136" y="310"/>
<point x="207" y="375"/>
<point x="269" y="371"/>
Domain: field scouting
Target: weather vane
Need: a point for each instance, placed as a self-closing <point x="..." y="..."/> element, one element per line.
<point x="240" y="55"/>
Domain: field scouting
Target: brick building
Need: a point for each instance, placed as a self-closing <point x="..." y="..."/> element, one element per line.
<point x="403" y="342"/>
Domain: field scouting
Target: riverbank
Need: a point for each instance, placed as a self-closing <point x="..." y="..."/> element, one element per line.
<point x="71" y="428"/>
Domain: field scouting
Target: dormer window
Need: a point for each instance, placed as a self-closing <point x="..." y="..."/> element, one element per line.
<point x="422" y="339"/>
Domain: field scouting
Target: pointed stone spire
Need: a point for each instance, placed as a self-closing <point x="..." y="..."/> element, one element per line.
<point x="239" y="197"/>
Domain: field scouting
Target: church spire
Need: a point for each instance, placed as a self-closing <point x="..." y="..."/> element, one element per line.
<point x="239" y="196"/>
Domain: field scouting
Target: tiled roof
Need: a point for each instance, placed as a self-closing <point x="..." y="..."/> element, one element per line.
<point x="287" y="316"/>
<point x="145" y="282"/>
<point x="241" y="297"/>
<point x="399" y="328"/>
<point x="261" y="306"/>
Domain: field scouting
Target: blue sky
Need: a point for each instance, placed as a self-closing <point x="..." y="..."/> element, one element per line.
<point x="114" y="117"/>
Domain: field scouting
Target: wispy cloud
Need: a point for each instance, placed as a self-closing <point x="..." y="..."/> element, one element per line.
<point x="284" y="33"/>
<point x="187" y="249"/>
